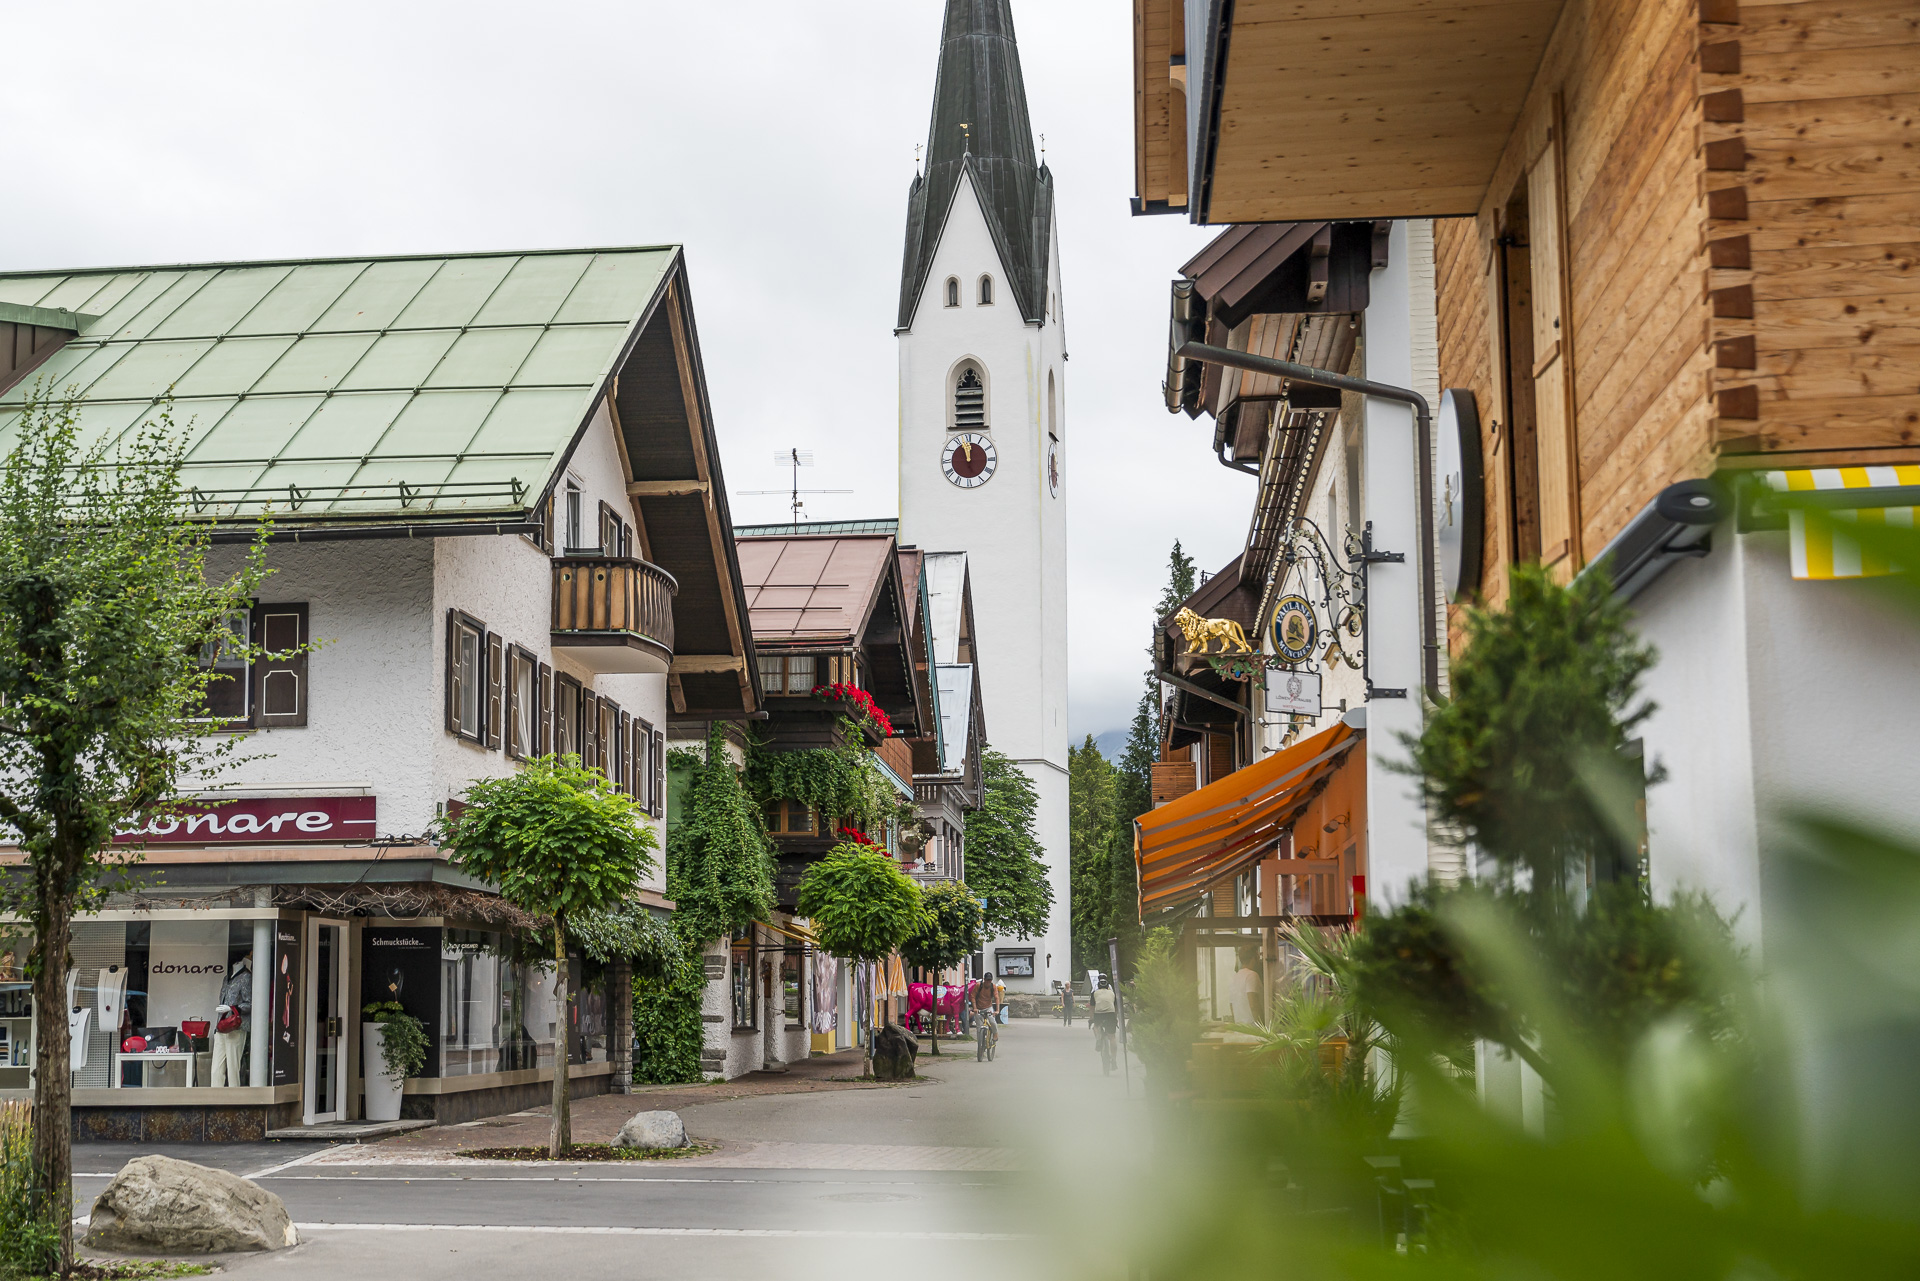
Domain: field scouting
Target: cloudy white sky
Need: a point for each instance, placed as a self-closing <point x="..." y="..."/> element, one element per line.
<point x="774" y="140"/>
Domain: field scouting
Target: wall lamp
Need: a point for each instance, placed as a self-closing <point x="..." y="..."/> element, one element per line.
<point x="1340" y="822"/>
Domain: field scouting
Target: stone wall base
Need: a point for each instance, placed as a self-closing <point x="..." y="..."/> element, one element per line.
<point x="244" y="1123"/>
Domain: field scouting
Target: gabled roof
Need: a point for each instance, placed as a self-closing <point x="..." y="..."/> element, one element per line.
<point x="813" y="589"/>
<point x="979" y="86"/>
<point x="946" y="575"/>
<point x="956" y="685"/>
<point x="424" y="388"/>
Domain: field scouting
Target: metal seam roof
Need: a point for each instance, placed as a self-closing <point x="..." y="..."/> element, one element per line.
<point x="436" y="386"/>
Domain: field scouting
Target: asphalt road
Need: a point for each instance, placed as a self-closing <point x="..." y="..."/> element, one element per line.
<point x="831" y="1182"/>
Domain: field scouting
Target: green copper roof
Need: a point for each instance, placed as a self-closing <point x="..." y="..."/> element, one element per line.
<point x="422" y="388"/>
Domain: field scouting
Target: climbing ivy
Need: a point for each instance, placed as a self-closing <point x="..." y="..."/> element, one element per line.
<point x="843" y="783"/>
<point x="719" y="859"/>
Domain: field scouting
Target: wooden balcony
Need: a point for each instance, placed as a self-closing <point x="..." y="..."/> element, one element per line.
<point x="613" y="613"/>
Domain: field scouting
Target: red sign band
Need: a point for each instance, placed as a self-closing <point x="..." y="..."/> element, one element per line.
<point x="269" y="820"/>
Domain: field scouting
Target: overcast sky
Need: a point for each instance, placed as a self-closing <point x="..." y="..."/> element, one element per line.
<point x="774" y="140"/>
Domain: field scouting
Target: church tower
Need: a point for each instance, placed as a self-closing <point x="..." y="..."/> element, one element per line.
<point x="983" y="437"/>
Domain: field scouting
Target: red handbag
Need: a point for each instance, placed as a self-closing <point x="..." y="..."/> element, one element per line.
<point x="229" y="1022"/>
<point x="134" y="1045"/>
<point x="194" y="1027"/>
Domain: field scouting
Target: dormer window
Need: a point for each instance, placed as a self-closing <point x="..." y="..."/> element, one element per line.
<point x="953" y="291"/>
<point x="986" y="291"/>
<point x="969" y="401"/>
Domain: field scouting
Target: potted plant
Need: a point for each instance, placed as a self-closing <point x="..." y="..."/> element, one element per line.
<point x="394" y="1047"/>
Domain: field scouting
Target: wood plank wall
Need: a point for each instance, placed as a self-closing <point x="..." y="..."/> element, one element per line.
<point x="1814" y="173"/>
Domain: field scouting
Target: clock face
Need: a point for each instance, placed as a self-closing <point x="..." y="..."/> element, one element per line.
<point x="969" y="459"/>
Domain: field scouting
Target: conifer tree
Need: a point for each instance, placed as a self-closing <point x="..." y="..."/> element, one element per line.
<point x="1094" y="819"/>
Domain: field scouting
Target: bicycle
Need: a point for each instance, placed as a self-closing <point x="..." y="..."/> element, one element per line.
<point x="1106" y="1042"/>
<point x="989" y="1037"/>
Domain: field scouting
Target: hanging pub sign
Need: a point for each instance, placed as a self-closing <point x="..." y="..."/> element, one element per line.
<point x="1293" y="694"/>
<point x="1295" y="632"/>
<point x="256" y="821"/>
<point x="1459" y="504"/>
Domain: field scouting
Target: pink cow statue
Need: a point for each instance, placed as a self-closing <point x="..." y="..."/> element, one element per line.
<point x="952" y="997"/>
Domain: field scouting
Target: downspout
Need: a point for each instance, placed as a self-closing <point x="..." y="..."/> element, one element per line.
<point x="1423" y="433"/>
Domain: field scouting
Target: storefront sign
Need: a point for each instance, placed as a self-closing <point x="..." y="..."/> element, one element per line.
<point x="286" y="1004"/>
<point x="1295" y="632"/>
<point x="257" y="821"/>
<point x="1293" y="694"/>
<point x="403" y="963"/>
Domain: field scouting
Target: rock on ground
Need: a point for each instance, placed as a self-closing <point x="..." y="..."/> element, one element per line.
<point x="894" y="1051"/>
<point x="652" y="1130"/>
<point x="176" y="1207"/>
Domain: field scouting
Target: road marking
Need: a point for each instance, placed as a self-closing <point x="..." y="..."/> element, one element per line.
<point x="604" y="1178"/>
<point x="821" y="1233"/>
<point x="288" y="1165"/>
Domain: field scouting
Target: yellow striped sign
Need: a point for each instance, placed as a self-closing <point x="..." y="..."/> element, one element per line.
<point x="1822" y="550"/>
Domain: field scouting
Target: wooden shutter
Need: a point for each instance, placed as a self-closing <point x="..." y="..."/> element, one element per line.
<point x="280" y="684"/>
<point x="453" y="671"/>
<point x="493" y="683"/>
<point x="543" y="715"/>
<point x="589" y="729"/>
<point x="1553" y="359"/>
<point x="1496" y="445"/>
<point x="625" y="781"/>
<point x="546" y="533"/>
<point x="657" y="773"/>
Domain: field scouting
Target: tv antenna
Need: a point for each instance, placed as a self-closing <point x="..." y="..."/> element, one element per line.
<point x="794" y="459"/>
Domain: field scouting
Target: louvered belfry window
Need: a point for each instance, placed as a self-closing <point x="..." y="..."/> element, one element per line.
<point x="969" y="402"/>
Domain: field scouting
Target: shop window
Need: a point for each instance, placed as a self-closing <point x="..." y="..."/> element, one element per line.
<point x="741" y="983"/>
<point x="487" y="1003"/>
<point x="466" y="677"/>
<point x="790" y="1001"/>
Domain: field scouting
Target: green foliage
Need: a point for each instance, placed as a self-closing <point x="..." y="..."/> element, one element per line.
<point x="403" y="1044"/>
<point x="1163" y="1011"/>
<point x="627" y="932"/>
<point x="1094" y="827"/>
<point x="556" y="839"/>
<point x="719" y="859"/>
<point x="1526" y="759"/>
<point x="949" y="928"/>
<point x="667" y="1029"/>
<point x="1003" y="854"/>
<point x="29" y="1230"/>
<point x="842" y="782"/>
<point x="862" y="906"/>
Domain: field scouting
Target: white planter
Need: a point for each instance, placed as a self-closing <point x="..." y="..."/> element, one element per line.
<point x="383" y="1091"/>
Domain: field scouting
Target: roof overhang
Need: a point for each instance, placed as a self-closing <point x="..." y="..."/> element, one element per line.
<point x="1335" y="109"/>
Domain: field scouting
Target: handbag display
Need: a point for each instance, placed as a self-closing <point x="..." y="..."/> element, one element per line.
<point x="229" y="1022"/>
<point x="134" y="1045"/>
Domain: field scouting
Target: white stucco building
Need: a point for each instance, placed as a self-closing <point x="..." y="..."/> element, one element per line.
<point x="983" y="418"/>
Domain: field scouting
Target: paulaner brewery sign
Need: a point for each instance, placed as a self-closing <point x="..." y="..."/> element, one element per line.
<point x="256" y="821"/>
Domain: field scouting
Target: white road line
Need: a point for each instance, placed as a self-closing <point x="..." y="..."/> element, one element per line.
<point x="288" y="1165"/>
<point x="602" y="1178"/>
<point x="820" y="1233"/>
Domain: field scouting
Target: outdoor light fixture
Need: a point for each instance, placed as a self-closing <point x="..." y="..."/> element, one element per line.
<point x="1341" y="821"/>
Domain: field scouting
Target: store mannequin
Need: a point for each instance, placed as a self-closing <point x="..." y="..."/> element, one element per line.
<point x="236" y="995"/>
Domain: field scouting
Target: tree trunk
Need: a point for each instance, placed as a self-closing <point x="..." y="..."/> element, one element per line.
<point x="562" y="1137"/>
<point x="933" y="1015"/>
<point x="53" y="1077"/>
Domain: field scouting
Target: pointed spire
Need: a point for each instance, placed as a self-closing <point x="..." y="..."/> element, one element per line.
<point x="980" y="127"/>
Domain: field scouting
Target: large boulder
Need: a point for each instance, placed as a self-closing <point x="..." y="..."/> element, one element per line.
<point x="652" y="1130"/>
<point x="894" y="1051"/>
<point x="166" y="1206"/>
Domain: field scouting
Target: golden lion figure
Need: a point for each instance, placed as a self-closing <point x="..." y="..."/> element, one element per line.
<point x="1202" y="632"/>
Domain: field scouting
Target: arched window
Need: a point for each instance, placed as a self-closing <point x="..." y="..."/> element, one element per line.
<point x="986" y="291"/>
<point x="953" y="291"/>
<point x="1053" y="415"/>
<point x="969" y="401"/>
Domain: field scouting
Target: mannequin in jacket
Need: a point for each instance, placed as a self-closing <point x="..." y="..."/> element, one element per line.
<point x="236" y="996"/>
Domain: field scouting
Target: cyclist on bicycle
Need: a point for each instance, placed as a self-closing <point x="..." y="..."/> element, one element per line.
<point x="1106" y="1018"/>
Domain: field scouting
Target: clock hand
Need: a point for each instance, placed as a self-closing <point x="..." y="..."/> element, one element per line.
<point x="966" y="450"/>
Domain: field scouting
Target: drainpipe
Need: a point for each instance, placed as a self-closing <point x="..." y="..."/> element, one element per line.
<point x="1423" y="442"/>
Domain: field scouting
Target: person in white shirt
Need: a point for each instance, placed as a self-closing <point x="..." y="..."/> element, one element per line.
<point x="1242" y="989"/>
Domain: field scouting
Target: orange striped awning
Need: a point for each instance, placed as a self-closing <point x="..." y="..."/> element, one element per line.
<point x="1186" y="845"/>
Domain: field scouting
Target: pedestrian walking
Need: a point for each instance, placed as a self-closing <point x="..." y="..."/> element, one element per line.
<point x="1066" y="1002"/>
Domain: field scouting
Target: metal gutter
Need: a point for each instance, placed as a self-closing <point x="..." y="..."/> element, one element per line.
<point x="347" y="533"/>
<point x="1423" y="471"/>
<point x="1676" y="525"/>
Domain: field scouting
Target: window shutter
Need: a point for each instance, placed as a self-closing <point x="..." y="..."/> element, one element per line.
<point x="543" y="714"/>
<point x="589" y="729"/>
<point x="546" y="536"/>
<point x="495" y="679"/>
<point x="625" y="782"/>
<point x="280" y="690"/>
<point x="1552" y="359"/>
<point x="657" y="768"/>
<point x="453" y="671"/>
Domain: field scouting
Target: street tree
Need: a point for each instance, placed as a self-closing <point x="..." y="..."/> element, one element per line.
<point x="861" y="905"/>
<point x="948" y="933"/>
<point x="1003" y="853"/>
<point x="557" y="841"/>
<point x="1093" y="825"/>
<point x="107" y="615"/>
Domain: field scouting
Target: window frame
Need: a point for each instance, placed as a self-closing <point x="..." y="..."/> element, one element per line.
<point x="776" y="673"/>
<point x="521" y="659"/>
<point x="245" y="631"/>
<point x="458" y="621"/>
<point x="575" y="516"/>
<point x="983" y="296"/>
<point x="959" y="376"/>
<point x="953" y="291"/>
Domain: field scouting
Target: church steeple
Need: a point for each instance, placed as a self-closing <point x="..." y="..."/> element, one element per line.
<point x="980" y="128"/>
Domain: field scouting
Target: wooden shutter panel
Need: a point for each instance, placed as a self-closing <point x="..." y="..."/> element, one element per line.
<point x="657" y="772"/>
<point x="280" y="684"/>
<point x="589" y="729"/>
<point x="1497" y="430"/>
<point x="1552" y="360"/>
<point x="543" y="714"/>
<point x="546" y="534"/>
<point x="453" y="671"/>
<point x="494" y="681"/>
<point x="625" y="782"/>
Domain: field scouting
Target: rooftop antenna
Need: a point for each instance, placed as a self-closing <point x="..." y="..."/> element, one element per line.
<point x="795" y="459"/>
<point x="1043" y="146"/>
<point x="916" y="159"/>
<point x="966" y="137"/>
